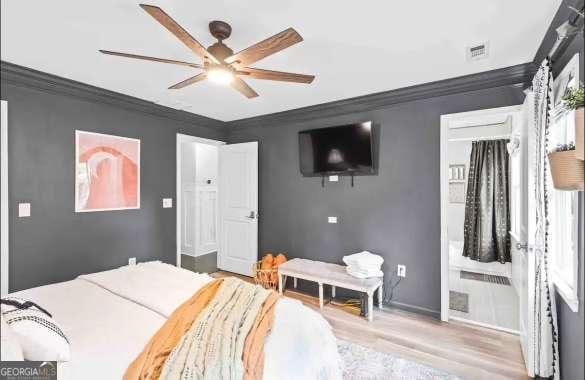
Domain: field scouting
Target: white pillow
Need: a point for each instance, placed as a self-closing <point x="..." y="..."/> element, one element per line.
<point x="10" y="349"/>
<point x="39" y="335"/>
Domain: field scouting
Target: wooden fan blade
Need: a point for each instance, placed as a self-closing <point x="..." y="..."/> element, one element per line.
<point x="265" y="48"/>
<point x="276" y="75"/>
<point x="172" y="26"/>
<point x="189" y="81"/>
<point x="242" y="87"/>
<point x="146" y="58"/>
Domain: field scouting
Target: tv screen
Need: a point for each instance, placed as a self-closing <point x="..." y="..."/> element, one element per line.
<point x="345" y="149"/>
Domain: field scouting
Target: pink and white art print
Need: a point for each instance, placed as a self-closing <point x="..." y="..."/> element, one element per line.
<point x="107" y="172"/>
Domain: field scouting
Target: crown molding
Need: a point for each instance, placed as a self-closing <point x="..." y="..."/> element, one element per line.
<point x="513" y="75"/>
<point x="17" y="75"/>
<point x="564" y="13"/>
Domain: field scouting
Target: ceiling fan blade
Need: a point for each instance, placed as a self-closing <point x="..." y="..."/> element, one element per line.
<point x="146" y="58"/>
<point x="172" y="26"/>
<point x="242" y="87"/>
<point x="265" y="48"/>
<point x="276" y="75"/>
<point x="189" y="81"/>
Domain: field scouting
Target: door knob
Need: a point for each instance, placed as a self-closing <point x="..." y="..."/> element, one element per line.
<point x="522" y="246"/>
<point x="252" y="215"/>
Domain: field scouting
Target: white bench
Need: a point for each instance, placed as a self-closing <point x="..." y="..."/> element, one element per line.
<point x="333" y="275"/>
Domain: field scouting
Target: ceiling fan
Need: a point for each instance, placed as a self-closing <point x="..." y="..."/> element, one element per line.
<point x="220" y="64"/>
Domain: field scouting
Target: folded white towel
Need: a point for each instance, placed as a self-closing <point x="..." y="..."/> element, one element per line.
<point x="363" y="258"/>
<point x="365" y="267"/>
<point x="363" y="274"/>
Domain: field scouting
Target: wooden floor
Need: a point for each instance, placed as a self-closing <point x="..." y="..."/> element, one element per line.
<point x="467" y="351"/>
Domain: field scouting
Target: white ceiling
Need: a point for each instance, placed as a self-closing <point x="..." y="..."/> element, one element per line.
<point x="353" y="47"/>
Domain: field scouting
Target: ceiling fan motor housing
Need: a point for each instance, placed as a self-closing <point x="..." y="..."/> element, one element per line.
<point x="220" y="50"/>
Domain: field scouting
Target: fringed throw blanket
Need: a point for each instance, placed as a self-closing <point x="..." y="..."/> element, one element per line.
<point x="217" y="334"/>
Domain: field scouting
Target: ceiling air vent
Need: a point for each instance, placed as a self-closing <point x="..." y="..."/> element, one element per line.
<point x="476" y="52"/>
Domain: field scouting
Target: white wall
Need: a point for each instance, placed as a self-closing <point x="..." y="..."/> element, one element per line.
<point x="458" y="153"/>
<point x="206" y="164"/>
<point x="188" y="198"/>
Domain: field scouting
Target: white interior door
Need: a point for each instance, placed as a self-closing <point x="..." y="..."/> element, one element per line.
<point x="522" y="234"/>
<point x="238" y="198"/>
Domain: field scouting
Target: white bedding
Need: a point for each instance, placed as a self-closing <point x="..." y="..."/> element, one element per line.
<point x="109" y="316"/>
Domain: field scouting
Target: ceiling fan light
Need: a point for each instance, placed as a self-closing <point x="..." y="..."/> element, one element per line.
<point x="220" y="75"/>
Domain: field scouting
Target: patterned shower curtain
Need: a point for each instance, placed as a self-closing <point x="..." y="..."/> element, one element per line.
<point x="545" y="314"/>
<point x="487" y="204"/>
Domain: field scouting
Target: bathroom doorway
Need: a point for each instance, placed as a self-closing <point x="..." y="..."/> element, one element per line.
<point x="479" y="282"/>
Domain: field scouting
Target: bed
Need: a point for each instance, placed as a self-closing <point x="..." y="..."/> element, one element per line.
<point x="109" y="317"/>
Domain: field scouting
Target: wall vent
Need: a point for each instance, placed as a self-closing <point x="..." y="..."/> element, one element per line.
<point x="477" y="52"/>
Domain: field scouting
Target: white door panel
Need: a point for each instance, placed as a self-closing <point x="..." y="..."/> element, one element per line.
<point x="238" y="184"/>
<point x="206" y="220"/>
<point x="522" y="241"/>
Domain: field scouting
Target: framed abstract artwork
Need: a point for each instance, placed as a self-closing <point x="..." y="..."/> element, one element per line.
<point x="107" y="172"/>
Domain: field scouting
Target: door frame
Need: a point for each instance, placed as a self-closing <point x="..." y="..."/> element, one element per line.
<point x="4" y="195"/>
<point x="452" y="121"/>
<point x="183" y="138"/>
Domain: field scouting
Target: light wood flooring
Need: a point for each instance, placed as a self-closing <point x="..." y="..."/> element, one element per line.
<point x="470" y="352"/>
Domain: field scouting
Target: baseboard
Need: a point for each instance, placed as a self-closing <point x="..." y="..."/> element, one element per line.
<point x="202" y="264"/>
<point x="486" y="325"/>
<point x="416" y="309"/>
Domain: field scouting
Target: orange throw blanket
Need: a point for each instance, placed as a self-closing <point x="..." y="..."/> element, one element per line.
<point x="150" y="363"/>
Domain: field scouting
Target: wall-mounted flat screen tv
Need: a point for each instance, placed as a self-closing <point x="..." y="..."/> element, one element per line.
<point x="344" y="150"/>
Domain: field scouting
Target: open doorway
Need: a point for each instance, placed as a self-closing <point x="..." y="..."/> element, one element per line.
<point x="217" y="205"/>
<point x="197" y="203"/>
<point x="4" y="196"/>
<point x="479" y="285"/>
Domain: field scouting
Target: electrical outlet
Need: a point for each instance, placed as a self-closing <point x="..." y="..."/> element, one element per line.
<point x="401" y="270"/>
<point x="333" y="178"/>
<point x="24" y="210"/>
<point x="167" y="202"/>
<point x="132" y="261"/>
<point x="332" y="219"/>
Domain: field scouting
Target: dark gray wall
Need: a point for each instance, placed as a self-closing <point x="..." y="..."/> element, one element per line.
<point x="571" y="325"/>
<point x="55" y="243"/>
<point x="395" y="214"/>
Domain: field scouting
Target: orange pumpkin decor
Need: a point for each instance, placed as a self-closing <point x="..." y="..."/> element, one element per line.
<point x="267" y="262"/>
<point x="280" y="259"/>
<point x="266" y="270"/>
<point x="275" y="264"/>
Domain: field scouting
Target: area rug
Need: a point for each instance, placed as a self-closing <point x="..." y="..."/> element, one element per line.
<point x="362" y="363"/>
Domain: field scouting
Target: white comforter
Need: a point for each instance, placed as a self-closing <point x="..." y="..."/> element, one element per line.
<point x="130" y="303"/>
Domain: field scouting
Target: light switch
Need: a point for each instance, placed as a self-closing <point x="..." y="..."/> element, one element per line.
<point x="332" y="219"/>
<point x="23" y="210"/>
<point x="167" y="202"/>
<point x="333" y="178"/>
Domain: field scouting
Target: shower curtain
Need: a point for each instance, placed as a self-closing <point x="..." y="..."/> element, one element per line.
<point x="487" y="214"/>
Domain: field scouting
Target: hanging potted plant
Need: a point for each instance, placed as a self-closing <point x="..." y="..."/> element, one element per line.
<point x="574" y="99"/>
<point x="568" y="172"/>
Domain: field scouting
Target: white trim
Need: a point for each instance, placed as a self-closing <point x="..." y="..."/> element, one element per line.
<point x="486" y="325"/>
<point x="182" y="138"/>
<point x="77" y="209"/>
<point x="566" y="291"/>
<point x="4" y="195"/>
<point x="461" y="120"/>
